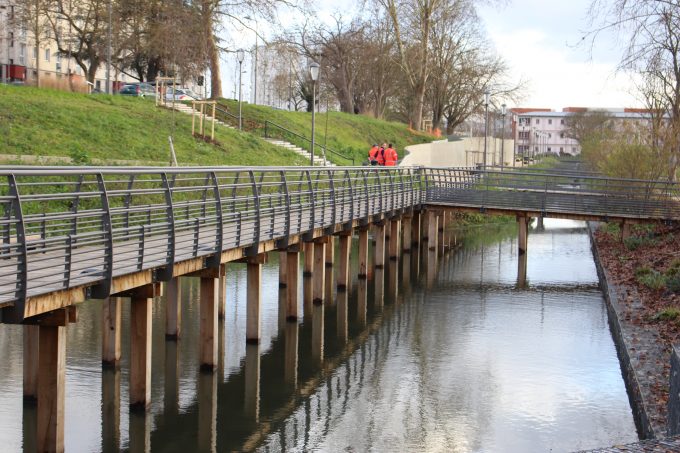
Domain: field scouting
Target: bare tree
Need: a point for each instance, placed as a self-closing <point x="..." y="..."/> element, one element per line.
<point x="31" y="16"/>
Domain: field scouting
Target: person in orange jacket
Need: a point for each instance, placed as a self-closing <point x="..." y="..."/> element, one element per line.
<point x="381" y="154"/>
<point x="391" y="156"/>
<point x="373" y="155"/>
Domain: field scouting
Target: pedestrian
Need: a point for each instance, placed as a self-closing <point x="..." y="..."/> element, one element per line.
<point x="391" y="156"/>
<point x="381" y="155"/>
<point x="373" y="155"/>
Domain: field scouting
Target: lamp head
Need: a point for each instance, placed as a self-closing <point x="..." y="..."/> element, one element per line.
<point x="314" y="70"/>
<point x="487" y="95"/>
<point x="240" y="55"/>
<point x="503" y="107"/>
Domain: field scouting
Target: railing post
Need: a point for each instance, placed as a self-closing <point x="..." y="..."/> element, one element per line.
<point x="312" y="201"/>
<point x="253" y="249"/>
<point x="333" y="204"/>
<point x="284" y="180"/>
<point x="103" y="289"/>
<point x="351" y="195"/>
<point x="22" y="259"/>
<point x="214" y="261"/>
<point x="166" y="273"/>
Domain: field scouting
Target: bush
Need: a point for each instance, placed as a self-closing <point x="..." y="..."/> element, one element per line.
<point x="635" y="242"/>
<point x="650" y="278"/>
<point x="667" y="314"/>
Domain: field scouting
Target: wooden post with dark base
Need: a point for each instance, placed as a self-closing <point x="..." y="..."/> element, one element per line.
<point x="254" y="273"/>
<point x="406" y="239"/>
<point x="379" y="252"/>
<point x="432" y="231"/>
<point x="292" y="284"/>
<point x="343" y="265"/>
<point x="173" y="309"/>
<point x="51" y="386"/>
<point x="395" y="228"/>
<point x="415" y="228"/>
<point x="363" y="252"/>
<point x="209" y="298"/>
<point x="318" y="285"/>
<point x="283" y="268"/>
<point x="523" y="234"/>
<point x="308" y="252"/>
<point x="140" y="346"/>
<point x="111" y="316"/>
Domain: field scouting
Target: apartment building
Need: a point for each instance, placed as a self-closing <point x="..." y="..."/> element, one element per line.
<point x="21" y="60"/>
<point x="543" y="131"/>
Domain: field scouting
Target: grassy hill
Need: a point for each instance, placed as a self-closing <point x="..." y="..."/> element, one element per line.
<point x="118" y="130"/>
<point x="348" y="134"/>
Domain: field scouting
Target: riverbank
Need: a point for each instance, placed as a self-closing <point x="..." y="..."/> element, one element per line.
<point x="639" y="278"/>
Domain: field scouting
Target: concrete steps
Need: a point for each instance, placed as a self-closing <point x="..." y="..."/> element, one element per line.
<point x="318" y="161"/>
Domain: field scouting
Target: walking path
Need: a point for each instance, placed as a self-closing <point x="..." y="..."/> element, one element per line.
<point x="672" y="444"/>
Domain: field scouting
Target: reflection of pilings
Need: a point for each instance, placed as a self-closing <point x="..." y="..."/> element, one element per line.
<point x="291" y="354"/>
<point x="343" y="261"/>
<point x="415" y="260"/>
<point x="431" y="267"/>
<point x="341" y="313"/>
<point x="252" y="381"/>
<point x="317" y="334"/>
<point x="29" y="425"/>
<point x="379" y="251"/>
<point x="30" y="357"/>
<point x="171" y="382"/>
<point x="111" y="331"/>
<point x="111" y="409"/>
<point x="406" y="272"/>
<point x="207" y="412"/>
<point x="392" y="282"/>
<point x="173" y="308"/>
<point x="140" y="432"/>
<point x="319" y="272"/>
<point x="362" y="299"/>
<point x="363" y="252"/>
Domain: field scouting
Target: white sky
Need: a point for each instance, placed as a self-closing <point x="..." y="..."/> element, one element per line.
<point x="539" y="39"/>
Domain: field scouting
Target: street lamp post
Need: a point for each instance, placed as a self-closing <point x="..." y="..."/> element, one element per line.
<point x="240" y="54"/>
<point x="314" y="72"/>
<point x="502" y="135"/>
<point x="486" y="121"/>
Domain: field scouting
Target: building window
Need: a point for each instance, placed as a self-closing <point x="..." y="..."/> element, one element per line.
<point x="549" y="135"/>
<point x="561" y="150"/>
<point x="536" y="148"/>
<point x="98" y="84"/>
<point x="47" y="54"/>
<point x="549" y="121"/>
<point x="524" y="135"/>
<point x="561" y="134"/>
<point x="561" y="121"/>
<point x="538" y="121"/>
<point x="22" y="53"/>
<point x="524" y="121"/>
<point x="573" y="150"/>
<point x="549" y="149"/>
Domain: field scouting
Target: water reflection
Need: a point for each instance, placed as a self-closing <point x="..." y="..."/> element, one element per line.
<point x="466" y="361"/>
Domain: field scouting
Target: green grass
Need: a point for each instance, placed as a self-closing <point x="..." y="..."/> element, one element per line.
<point x="667" y="314"/>
<point x="43" y="122"/>
<point x="351" y="135"/>
<point x="651" y="278"/>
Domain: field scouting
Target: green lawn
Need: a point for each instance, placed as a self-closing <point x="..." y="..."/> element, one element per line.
<point x="43" y="122"/>
<point x="348" y="134"/>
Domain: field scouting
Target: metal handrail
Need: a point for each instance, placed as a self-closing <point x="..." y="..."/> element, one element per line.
<point x="324" y="148"/>
<point x="66" y="227"/>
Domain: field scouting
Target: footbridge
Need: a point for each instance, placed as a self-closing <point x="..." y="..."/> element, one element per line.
<point x="70" y="234"/>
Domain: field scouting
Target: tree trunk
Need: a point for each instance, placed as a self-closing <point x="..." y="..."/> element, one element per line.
<point x="213" y="51"/>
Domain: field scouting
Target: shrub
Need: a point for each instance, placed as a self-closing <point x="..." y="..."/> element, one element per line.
<point x="673" y="283"/>
<point x="634" y="242"/>
<point x="650" y="278"/>
<point x="667" y="314"/>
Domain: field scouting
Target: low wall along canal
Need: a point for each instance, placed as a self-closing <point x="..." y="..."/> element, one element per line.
<point x="451" y="355"/>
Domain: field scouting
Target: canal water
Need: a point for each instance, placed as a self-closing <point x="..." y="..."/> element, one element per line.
<point x="466" y="360"/>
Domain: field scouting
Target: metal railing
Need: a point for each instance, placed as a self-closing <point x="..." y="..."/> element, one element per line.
<point x="73" y="226"/>
<point x="273" y="130"/>
<point x="64" y="227"/>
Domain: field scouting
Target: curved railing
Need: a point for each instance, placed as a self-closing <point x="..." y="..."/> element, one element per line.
<point x="66" y="227"/>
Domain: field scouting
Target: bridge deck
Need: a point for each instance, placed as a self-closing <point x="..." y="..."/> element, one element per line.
<point x="66" y="229"/>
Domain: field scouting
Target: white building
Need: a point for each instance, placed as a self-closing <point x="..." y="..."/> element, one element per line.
<point x="546" y="132"/>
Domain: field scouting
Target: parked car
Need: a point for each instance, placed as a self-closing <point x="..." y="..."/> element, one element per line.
<point x="138" y="89"/>
<point x="180" y="94"/>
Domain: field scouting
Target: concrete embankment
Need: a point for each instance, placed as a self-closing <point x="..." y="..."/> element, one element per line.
<point x="465" y="152"/>
<point x="641" y="352"/>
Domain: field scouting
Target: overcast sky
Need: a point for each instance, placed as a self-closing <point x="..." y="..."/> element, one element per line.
<point x="539" y="39"/>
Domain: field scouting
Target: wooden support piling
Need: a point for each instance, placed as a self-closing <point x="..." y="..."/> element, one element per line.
<point x="330" y="251"/>
<point x="415" y="228"/>
<point x="523" y="234"/>
<point x="441" y="223"/>
<point x="209" y="297"/>
<point x="343" y="264"/>
<point x="292" y="284"/>
<point x="395" y="228"/>
<point x="222" y="291"/>
<point x="432" y="230"/>
<point x="308" y="251"/>
<point x="318" y="278"/>
<point x="173" y="309"/>
<point x="378" y="288"/>
<point x="379" y="251"/>
<point x="363" y="253"/>
<point x="406" y="239"/>
<point x="111" y="331"/>
<point x="140" y="348"/>
<point x="51" y="387"/>
<point x="283" y="267"/>
<point x="31" y="361"/>
<point x="254" y="272"/>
